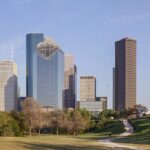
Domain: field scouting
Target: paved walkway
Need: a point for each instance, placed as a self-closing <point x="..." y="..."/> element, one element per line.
<point x="129" y="130"/>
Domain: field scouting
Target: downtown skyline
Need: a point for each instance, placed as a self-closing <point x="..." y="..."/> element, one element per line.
<point x="88" y="40"/>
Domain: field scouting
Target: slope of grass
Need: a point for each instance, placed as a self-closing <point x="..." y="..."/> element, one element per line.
<point x="141" y="132"/>
<point x="113" y="127"/>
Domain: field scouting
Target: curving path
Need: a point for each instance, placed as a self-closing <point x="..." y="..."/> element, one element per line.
<point x="129" y="130"/>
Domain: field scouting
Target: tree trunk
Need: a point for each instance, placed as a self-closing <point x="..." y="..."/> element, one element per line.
<point x="30" y="131"/>
<point x="57" y="130"/>
<point x="39" y="131"/>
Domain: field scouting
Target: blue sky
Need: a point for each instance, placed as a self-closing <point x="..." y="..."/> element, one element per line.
<point x="85" y="28"/>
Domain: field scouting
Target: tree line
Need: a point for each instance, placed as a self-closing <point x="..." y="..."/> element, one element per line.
<point x="33" y="120"/>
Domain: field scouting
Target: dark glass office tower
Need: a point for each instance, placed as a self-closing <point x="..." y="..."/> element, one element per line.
<point x="125" y="74"/>
<point x="45" y="71"/>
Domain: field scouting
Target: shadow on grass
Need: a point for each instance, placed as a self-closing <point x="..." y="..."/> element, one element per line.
<point x="135" y="139"/>
<point x="96" y="136"/>
<point x="42" y="146"/>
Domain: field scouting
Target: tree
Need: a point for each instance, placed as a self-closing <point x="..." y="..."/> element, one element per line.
<point x="140" y="110"/>
<point x="8" y="125"/>
<point x="79" y="123"/>
<point x="32" y="111"/>
<point x="56" y="120"/>
<point x="19" y="117"/>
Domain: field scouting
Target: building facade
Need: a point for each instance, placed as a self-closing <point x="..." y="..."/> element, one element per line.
<point x="45" y="71"/>
<point x="87" y="88"/>
<point x="103" y="101"/>
<point x="125" y="74"/>
<point x="70" y="82"/>
<point x="8" y="86"/>
<point x="94" y="107"/>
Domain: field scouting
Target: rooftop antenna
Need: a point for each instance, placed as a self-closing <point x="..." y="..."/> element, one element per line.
<point x="12" y="53"/>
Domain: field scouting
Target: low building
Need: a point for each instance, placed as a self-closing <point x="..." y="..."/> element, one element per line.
<point x="94" y="107"/>
<point x="103" y="101"/>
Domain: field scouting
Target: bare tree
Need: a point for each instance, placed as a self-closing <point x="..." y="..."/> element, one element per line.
<point x="140" y="110"/>
<point x="33" y="114"/>
<point x="79" y="123"/>
<point x="56" y="120"/>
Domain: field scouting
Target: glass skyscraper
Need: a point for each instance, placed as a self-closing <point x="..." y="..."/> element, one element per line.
<point x="45" y="70"/>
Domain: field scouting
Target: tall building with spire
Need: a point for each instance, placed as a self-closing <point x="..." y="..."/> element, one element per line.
<point x="45" y="71"/>
<point x="125" y="74"/>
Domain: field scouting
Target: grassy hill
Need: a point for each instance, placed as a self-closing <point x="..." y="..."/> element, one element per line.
<point x="141" y="132"/>
<point x="114" y="127"/>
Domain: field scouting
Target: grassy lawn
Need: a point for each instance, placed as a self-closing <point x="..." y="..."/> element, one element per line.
<point x="81" y="142"/>
<point x="51" y="142"/>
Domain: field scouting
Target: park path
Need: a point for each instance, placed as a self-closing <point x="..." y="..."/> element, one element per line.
<point x="129" y="130"/>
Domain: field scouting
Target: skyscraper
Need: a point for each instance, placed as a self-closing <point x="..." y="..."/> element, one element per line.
<point x="45" y="71"/>
<point x="87" y="88"/>
<point x="125" y="74"/>
<point x="8" y="86"/>
<point x="70" y="82"/>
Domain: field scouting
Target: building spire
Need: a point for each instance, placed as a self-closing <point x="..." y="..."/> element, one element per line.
<point x="12" y="53"/>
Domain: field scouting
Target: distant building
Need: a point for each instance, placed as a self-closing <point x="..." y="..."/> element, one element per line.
<point x="87" y="88"/>
<point x="70" y="82"/>
<point x="45" y="71"/>
<point x="114" y="88"/>
<point x="8" y="85"/>
<point x="20" y="103"/>
<point x="103" y="100"/>
<point x="125" y="74"/>
<point x="94" y="107"/>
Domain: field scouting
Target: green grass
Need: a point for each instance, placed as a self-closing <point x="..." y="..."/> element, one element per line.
<point x="81" y="142"/>
<point x="141" y="134"/>
<point x="51" y="142"/>
<point x="113" y="127"/>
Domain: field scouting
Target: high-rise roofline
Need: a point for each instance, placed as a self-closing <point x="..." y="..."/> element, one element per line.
<point x="127" y="39"/>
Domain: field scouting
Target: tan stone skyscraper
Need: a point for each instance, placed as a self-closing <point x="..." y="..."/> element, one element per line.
<point x="125" y="74"/>
<point x="87" y="88"/>
<point x="8" y="85"/>
<point x="69" y="82"/>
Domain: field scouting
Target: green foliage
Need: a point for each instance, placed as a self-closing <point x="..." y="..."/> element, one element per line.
<point x="8" y="125"/>
<point x="113" y="126"/>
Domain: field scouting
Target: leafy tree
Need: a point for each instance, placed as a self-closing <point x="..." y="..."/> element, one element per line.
<point x="8" y="125"/>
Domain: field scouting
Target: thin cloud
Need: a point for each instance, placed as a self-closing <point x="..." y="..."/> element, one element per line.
<point x="129" y="19"/>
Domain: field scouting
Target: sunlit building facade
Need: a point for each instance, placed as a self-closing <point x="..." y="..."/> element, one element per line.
<point x="125" y="74"/>
<point x="87" y="88"/>
<point x="8" y="85"/>
<point x="70" y="82"/>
